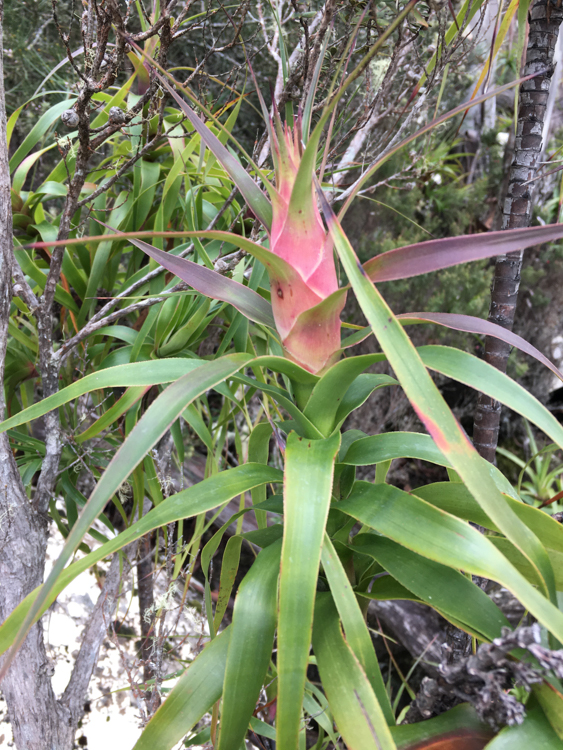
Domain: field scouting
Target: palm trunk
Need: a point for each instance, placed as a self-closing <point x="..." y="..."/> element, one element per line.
<point x="545" y="19"/>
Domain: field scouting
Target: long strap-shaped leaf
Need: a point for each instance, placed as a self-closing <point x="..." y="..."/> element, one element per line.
<point x="454" y="498"/>
<point x="252" y="638"/>
<point x="419" y="526"/>
<point x="357" y="634"/>
<point x="144" y="373"/>
<point x="157" y="419"/>
<point x="193" y="501"/>
<point x="373" y="449"/>
<point x="197" y="690"/>
<point x="154" y="372"/>
<point x="433" y="255"/>
<point x="438" y="585"/>
<point x="249" y="189"/>
<point x="211" y="283"/>
<point x="436" y="416"/>
<point x="472" y="324"/>
<point x="308" y="476"/>
<point x="478" y="374"/>
<point x="352" y="701"/>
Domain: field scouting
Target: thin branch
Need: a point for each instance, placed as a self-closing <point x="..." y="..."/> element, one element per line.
<point x="93" y="636"/>
<point x="22" y="289"/>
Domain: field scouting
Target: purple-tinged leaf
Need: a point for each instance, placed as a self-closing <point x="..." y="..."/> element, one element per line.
<point x="249" y="189"/>
<point x="213" y="284"/>
<point x="483" y="327"/>
<point x="203" y="279"/>
<point x="433" y="255"/>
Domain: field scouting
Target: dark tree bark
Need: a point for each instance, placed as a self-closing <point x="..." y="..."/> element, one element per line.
<point x="545" y="19"/>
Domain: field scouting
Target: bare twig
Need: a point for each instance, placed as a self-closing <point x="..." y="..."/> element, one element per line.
<point x="93" y="636"/>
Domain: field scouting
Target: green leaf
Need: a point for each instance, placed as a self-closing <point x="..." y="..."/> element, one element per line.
<point x="20" y="175"/>
<point x="194" y="694"/>
<point x="122" y="405"/>
<point x="154" y="423"/>
<point x="309" y="468"/>
<point x="481" y="327"/>
<point x="193" y="501"/>
<point x="374" y="449"/>
<point x="438" y="585"/>
<point x="229" y="570"/>
<point x="38" y="131"/>
<point x="550" y="699"/>
<point x="535" y="732"/>
<point x="433" y="410"/>
<point x="523" y="565"/>
<point x="457" y="729"/>
<point x="327" y="395"/>
<point x="155" y="372"/>
<point x="250" y="649"/>
<point x="387" y="588"/>
<point x="465" y="368"/>
<point x="32" y="270"/>
<point x="357" y="634"/>
<point x="352" y="701"/>
<point x="454" y="498"/>
<point x="358" y="393"/>
<point x="259" y="451"/>
<point x="439" y="536"/>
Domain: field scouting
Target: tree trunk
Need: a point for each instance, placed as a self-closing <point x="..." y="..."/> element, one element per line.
<point x="37" y="719"/>
<point x="545" y="19"/>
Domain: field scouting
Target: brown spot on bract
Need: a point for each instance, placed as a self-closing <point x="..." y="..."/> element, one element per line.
<point x="280" y="292"/>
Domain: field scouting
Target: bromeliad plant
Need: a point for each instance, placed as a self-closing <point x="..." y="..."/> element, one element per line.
<point x="313" y="578"/>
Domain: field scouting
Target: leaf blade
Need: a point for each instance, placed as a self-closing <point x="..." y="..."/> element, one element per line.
<point x="196" y="691"/>
<point x="158" y="417"/>
<point x="357" y="713"/>
<point x="434" y="412"/>
<point x="308" y="474"/>
<point x="252" y="638"/>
